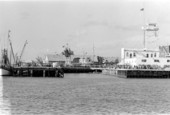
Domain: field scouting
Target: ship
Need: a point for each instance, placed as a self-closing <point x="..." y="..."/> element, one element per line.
<point x="5" y="68"/>
<point x="5" y="61"/>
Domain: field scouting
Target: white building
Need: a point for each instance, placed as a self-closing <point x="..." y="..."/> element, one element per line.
<point x="135" y="57"/>
<point x="59" y="59"/>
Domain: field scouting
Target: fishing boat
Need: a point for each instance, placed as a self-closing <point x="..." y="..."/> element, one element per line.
<point x="5" y="68"/>
<point x="5" y="62"/>
<point x="5" y="71"/>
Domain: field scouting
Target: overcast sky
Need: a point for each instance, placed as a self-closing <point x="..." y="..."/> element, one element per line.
<point x="109" y="24"/>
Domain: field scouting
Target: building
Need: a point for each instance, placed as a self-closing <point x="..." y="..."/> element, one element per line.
<point x="135" y="57"/>
<point x="55" y="58"/>
<point x="84" y="59"/>
<point x="110" y="59"/>
<point x="59" y="59"/>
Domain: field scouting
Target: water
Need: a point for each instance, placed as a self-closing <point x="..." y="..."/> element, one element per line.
<point x="84" y="94"/>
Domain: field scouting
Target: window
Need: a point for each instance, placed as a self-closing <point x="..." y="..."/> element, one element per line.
<point x="155" y="55"/>
<point x="143" y="60"/>
<point x="168" y="60"/>
<point x="127" y="54"/>
<point x="156" y="60"/>
<point x="134" y="55"/>
<point x="147" y="55"/>
<point x="151" y="55"/>
<point x="130" y="55"/>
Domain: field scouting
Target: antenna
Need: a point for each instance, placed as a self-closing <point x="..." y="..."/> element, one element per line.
<point x="93" y="52"/>
<point x="143" y="28"/>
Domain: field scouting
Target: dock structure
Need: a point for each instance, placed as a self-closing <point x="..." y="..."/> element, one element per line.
<point x="97" y="69"/>
<point x="81" y="70"/>
<point x="143" y="73"/>
<point x="38" y="72"/>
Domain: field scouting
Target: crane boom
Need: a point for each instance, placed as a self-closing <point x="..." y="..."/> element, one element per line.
<point x="23" y="50"/>
<point x="11" y="45"/>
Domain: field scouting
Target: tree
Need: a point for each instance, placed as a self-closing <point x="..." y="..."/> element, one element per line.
<point x="39" y="61"/>
<point x="100" y="60"/>
<point x="67" y="53"/>
<point x="116" y="61"/>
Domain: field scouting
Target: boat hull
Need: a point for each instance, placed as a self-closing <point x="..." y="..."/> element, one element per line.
<point x="4" y="72"/>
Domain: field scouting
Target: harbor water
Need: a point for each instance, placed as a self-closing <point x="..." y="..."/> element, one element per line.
<point x="84" y="94"/>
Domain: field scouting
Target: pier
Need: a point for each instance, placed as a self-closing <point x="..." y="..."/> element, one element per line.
<point x="143" y="73"/>
<point x="37" y="72"/>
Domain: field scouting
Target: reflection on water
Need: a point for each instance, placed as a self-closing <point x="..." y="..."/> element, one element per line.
<point x="4" y="102"/>
<point x="84" y="94"/>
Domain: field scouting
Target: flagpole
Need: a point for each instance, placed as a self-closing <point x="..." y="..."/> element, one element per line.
<point x="93" y="52"/>
<point x="144" y="33"/>
<point x="144" y="41"/>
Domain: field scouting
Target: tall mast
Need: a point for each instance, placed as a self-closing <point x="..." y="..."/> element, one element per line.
<point x="144" y="33"/>
<point x="93" y="52"/>
<point x="144" y="41"/>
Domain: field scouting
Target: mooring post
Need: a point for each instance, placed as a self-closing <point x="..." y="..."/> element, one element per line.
<point x="31" y="71"/>
<point x="56" y="73"/>
<point x="43" y="73"/>
<point x="18" y="72"/>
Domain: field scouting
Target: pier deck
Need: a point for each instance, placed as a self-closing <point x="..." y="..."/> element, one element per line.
<point x="143" y="73"/>
<point x="38" y="72"/>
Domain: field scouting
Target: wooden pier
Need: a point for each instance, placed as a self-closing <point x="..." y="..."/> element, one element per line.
<point x="38" y="72"/>
<point x="143" y="73"/>
<point x="81" y="70"/>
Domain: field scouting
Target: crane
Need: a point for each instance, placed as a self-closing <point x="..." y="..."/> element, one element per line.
<point x="23" y="50"/>
<point x="11" y="45"/>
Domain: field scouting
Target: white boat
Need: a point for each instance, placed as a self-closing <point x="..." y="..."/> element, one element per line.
<point x="5" y="63"/>
<point x="4" y="72"/>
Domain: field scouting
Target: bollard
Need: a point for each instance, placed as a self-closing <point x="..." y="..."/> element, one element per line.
<point x="43" y="73"/>
<point x="31" y="71"/>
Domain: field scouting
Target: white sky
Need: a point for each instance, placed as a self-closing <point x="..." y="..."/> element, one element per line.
<point x="109" y="24"/>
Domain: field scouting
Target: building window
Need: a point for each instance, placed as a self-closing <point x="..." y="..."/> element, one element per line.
<point x="156" y="60"/>
<point x="130" y="55"/>
<point x="143" y="60"/>
<point x="147" y="55"/>
<point x="168" y="60"/>
<point x="127" y="54"/>
<point x="155" y="55"/>
<point x="151" y="55"/>
<point x="134" y="55"/>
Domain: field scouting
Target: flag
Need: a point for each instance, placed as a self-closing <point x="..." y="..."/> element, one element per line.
<point x="142" y="9"/>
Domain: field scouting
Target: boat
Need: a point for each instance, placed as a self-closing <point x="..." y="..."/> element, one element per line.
<point x="5" y="62"/>
<point x="4" y="72"/>
<point x="5" y="68"/>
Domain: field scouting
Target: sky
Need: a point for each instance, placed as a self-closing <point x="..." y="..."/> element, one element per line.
<point x="105" y="25"/>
